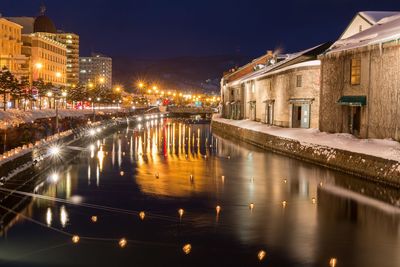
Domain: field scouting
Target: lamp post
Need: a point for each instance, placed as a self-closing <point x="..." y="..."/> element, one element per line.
<point x="38" y="66"/>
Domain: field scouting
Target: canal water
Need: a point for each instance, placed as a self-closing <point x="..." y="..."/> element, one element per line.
<point x="295" y="213"/>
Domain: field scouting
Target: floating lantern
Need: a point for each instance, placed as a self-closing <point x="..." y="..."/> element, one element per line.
<point x="313" y="200"/>
<point x="180" y="212"/>
<point x="142" y="215"/>
<point x="284" y="203"/>
<point x="251" y="206"/>
<point x="187" y="248"/>
<point x="122" y="242"/>
<point x="75" y="239"/>
<point x="261" y="255"/>
<point x="218" y="209"/>
<point x="121" y="173"/>
<point x="332" y="262"/>
<point x="93" y="218"/>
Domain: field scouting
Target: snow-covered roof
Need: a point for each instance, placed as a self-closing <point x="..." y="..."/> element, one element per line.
<point x="374" y="16"/>
<point x="283" y="65"/>
<point x="386" y="29"/>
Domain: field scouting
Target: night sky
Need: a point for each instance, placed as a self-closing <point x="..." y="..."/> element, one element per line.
<point x="160" y="29"/>
<point x="151" y="29"/>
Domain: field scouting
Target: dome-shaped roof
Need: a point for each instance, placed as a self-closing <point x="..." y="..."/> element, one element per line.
<point x="44" y="24"/>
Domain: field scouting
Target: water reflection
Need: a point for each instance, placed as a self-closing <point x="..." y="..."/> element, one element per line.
<point x="247" y="202"/>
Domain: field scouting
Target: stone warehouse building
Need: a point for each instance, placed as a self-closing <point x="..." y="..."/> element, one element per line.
<point x="232" y="93"/>
<point x="360" y="83"/>
<point x="284" y="92"/>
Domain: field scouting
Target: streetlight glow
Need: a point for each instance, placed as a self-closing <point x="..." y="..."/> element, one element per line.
<point x="38" y="65"/>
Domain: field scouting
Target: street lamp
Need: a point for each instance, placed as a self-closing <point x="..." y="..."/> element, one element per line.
<point x="38" y="66"/>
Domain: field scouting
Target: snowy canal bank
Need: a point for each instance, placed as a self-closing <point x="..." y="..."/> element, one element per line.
<point x="377" y="160"/>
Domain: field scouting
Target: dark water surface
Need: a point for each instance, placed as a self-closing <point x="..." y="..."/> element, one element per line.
<point x="149" y="170"/>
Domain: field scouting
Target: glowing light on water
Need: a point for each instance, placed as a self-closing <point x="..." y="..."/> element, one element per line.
<point x="218" y="209"/>
<point x="75" y="239"/>
<point x="63" y="216"/>
<point x="94" y="218"/>
<point x="49" y="217"/>
<point x="180" y="212"/>
<point x="142" y="215"/>
<point x="187" y="248"/>
<point x="333" y="262"/>
<point x="100" y="157"/>
<point x="122" y="242"/>
<point x="251" y="206"/>
<point x="261" y="255"/>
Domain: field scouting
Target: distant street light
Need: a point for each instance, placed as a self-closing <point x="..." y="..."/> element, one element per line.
<point x="38" y="65"/>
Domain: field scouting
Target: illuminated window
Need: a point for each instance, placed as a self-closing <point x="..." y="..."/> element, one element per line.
<point x="355" y="71"/>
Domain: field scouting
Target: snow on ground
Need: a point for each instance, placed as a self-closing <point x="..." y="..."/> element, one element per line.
<point x="14" y="116"/>
<point x="382" y="148"/>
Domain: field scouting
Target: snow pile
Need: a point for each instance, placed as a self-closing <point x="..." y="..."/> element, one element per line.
<point x="13" y="117"/>
<point x="386" y="149"/>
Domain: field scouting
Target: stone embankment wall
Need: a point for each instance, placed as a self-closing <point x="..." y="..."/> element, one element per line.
<point x="361" y="165"/>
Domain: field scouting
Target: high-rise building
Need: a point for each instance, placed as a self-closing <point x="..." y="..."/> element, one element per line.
<point x="95" y="69"/>
<point x="11" y="48"/>
<point x="71" y="40"/>
<point x="47" y="49"/>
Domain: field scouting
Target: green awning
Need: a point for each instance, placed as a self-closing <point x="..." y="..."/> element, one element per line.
<point x="353" y="100"/>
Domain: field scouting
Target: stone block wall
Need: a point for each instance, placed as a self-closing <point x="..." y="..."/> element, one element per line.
<point x="367" y="167"/>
